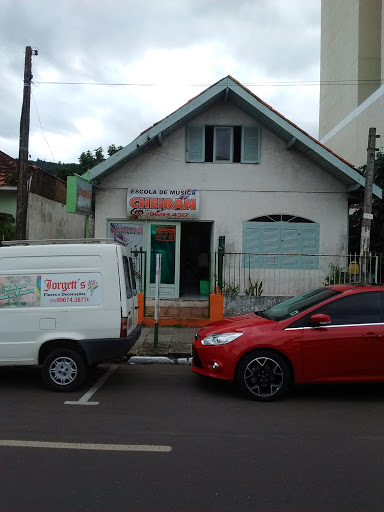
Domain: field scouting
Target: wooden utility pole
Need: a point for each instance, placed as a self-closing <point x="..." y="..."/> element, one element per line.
<point x="367" y="206"/>
<point x="22" y="189"/>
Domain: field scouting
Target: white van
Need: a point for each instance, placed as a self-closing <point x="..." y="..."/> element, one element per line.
<point x="66" y="305"/>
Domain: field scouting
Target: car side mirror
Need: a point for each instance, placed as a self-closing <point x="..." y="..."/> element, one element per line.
<point x="320" y="319"/>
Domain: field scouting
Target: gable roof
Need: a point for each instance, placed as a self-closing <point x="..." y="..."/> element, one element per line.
<point x="8" y="168"/>
<point x="230" y="90"/>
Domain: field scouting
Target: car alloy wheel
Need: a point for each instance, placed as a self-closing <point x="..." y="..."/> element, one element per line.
<point x="263" y="375"/>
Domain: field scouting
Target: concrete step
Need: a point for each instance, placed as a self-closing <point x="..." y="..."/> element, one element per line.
<point x="178" y="308"/>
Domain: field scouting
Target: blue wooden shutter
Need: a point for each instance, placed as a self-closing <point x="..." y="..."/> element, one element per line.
<point x="309" y="244"/>
<point x="289" y="246"/>
<point x="271" y="242"/>
<point x="250" y="144"/>
<point x="251" y="245"/>
<point x="195" y="143"/>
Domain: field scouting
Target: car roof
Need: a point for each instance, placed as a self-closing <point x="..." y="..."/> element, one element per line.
<point x="356" y="287"/>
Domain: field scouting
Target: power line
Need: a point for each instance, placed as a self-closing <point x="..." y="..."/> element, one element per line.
<point x="253" y="84"/>
<point x="42" y="131"/>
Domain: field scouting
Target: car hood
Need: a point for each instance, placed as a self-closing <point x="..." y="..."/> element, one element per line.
<point x="234" y="324"/>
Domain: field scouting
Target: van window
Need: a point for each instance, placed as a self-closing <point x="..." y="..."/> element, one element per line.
<point x="133" y="276"/>
<point x="126" y="277"/>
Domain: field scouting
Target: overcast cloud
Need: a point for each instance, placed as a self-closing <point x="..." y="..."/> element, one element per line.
<point x="180" y="47"/>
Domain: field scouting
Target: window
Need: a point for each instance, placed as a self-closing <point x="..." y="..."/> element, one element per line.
<point x="223" y="144"/>
<point x="293" y="243"/>
<point x="361" y="308"/>
<point x="128" y="287"/>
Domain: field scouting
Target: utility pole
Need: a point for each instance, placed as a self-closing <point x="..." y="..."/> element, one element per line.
<point x="22" y="190"/>
<point x="365" y="236"/>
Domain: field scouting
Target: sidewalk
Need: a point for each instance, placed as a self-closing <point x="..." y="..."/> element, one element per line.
<point x="174" y="343"/>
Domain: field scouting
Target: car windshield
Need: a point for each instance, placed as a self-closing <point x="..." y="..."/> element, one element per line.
<point x="296" y="305"/>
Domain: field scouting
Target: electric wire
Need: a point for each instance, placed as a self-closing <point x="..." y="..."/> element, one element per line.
<point x="41" y="126"/>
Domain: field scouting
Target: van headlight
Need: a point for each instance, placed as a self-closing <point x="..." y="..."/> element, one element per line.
<point x="221" y="339"/>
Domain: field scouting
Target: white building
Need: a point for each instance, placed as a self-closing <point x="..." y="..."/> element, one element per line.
<point x="225" y="165"/>
<point x="351" y="74"/>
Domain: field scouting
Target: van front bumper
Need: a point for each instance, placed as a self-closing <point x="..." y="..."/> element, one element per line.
<point x="105" y="349"/>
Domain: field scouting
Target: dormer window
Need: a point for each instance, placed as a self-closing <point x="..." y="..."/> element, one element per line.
<point x="223" y="144"/>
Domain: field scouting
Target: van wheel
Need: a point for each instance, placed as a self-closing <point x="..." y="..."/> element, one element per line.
<point x="64" y="370"/>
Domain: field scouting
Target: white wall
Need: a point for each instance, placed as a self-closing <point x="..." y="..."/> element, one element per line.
<point x="284" y="182"/>
<point x="49" y="219"/>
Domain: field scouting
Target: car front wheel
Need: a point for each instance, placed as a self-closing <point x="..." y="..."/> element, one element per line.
<point x="64" y="370"/>
<point x="263" y="375"/>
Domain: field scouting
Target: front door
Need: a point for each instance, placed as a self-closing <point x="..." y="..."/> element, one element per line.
<point x="164" y="239"/>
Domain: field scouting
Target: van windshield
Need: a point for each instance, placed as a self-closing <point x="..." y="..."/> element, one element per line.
<point x="296" y="305"/>
<point x="128" y="286"/>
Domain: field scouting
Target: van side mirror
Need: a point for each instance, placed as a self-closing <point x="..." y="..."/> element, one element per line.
<point x="320" y="319"/>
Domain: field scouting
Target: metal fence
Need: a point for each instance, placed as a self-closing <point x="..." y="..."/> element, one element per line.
<point x="235" y="273"/>
<point x="140" y="267"/>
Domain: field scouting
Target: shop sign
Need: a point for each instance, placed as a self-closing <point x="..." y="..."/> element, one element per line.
<point x="153" y="204"/>
<point x="129" y="233"/>
<point x="51" y="290"/>
<point x="165" y="234"/>
<point x="79" y="196"/>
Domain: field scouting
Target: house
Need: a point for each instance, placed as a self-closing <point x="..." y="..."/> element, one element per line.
<point x="351" y="76"/>
<point x="225" y="167"/>
<point x="47" y="216"/>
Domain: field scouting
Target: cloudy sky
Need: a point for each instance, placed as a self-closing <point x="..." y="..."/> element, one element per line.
<point x="160" y="53"/>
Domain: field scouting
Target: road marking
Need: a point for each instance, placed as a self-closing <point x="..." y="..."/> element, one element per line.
<point x="84" y="399"/>
<point x="87" y="446"/>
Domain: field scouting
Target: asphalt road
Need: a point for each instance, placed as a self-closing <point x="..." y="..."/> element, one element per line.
<point x="320" y="449"/>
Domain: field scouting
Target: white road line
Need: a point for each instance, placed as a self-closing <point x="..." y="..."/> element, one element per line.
<point x="87" y="446"/>
<point x="84" y="399"/>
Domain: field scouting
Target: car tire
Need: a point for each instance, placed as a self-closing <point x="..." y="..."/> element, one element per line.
<point x="263" y="375"/>
<point x="64" y="370"/>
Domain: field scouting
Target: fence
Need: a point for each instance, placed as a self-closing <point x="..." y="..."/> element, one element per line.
<point x="140" y="268"/>
<point x="238" y="273"/>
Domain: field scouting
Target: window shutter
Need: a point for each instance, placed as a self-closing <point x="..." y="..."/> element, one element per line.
<point x="195" y="143"/>
<point x="271" y="237"/>
<point x="309" y="244"/>
<point x="290" y="247"/>
<point x="250" y="144"/>
<point x="251" y="245"/>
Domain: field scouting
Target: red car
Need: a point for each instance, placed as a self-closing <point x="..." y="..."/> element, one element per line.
<point x="331" y="334"/>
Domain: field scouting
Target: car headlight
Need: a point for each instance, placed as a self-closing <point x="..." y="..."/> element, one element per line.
<point x="221" y="339"/>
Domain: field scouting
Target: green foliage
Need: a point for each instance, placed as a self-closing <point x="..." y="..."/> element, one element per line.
<point x="335" y="275"/>
<point x="7" y="227"/>
<point x="90" y="159"/>
<point x="254" y="289"/>
<point x="230" y="289"/>
<point x="61" y="170"/>
<point x="377" y="225"/>
<point x="112" y="149"/>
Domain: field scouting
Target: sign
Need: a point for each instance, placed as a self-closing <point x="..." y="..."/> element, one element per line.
<point x="130" y="233"/>
<point x="51" y="290"/>
<point x="79" y="195"/>
<point x="165" y="234"/>
<point x="161" y="204"/>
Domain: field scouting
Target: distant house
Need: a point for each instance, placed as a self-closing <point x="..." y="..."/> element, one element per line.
<point x="225" y="166"/>
<point x="47" y="216"/>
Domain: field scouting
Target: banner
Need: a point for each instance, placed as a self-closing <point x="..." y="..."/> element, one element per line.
<point x="51" y="290"/>
<point x="154" y="204"/>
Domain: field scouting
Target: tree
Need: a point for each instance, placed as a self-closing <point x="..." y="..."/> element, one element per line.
<point x="377" y="225"/>
<point x="112" y="149"/>
<point x="89" y="159"/>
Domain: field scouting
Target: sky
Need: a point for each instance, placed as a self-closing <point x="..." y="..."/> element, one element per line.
<point x="160" y="53"/>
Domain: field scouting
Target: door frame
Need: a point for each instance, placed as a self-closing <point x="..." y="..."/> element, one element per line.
<point x="170" y="291"/>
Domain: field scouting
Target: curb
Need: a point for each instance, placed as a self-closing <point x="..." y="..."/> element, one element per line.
<point x="159" y="360"/>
